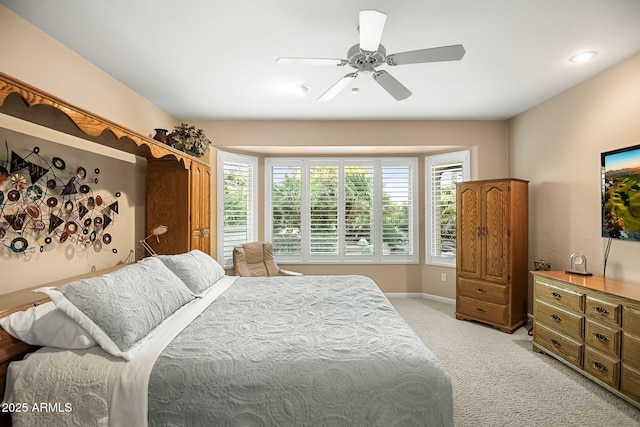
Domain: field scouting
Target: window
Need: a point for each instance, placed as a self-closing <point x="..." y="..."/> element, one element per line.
<point x="237" y="195"/>
<point x="342" y="210"/>
<point x="442" y="172"/>
<point x="286" y="205"/>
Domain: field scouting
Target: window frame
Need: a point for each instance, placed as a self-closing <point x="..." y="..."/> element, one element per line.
<point x="463" y="157"/>
<point x="342" y="257"/>
<point x="248" y="160"/>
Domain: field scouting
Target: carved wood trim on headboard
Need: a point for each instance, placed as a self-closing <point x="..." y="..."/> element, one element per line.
<point x="91" y="124"/>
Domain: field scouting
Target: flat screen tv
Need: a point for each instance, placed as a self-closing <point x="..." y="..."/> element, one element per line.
<point x="621" y="193"/>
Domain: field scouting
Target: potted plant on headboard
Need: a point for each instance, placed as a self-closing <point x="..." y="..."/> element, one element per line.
<point x="189" y="139"/>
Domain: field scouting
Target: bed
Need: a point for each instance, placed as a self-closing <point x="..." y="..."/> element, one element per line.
<point x="227" y="351"/>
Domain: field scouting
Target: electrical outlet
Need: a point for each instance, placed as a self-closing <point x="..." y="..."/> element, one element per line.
<point x="443" y="277"/>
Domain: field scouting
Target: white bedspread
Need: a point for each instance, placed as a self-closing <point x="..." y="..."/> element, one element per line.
<point x="306" y="351"/>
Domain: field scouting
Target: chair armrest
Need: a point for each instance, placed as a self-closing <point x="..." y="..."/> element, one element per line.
<point x="289" y="273"/>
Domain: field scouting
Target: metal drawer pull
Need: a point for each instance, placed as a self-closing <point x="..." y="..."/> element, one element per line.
<point x="556" y="295"/>
<point x="555" y="343"/>
<point x="480" y="290"/>
<point x="600" y="337"/>
<point x="555" y="318"/>
<point x="599" y="367"/>
<point x="480" y="310"/>
<point x="601" y="310"/>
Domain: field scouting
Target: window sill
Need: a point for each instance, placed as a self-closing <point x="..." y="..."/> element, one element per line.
<point x="347" y="262"/>
<point x="441" y="264"/>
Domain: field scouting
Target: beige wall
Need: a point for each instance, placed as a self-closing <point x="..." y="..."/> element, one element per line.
<point x="487" y="139"/>
<point x="557" y="146"/>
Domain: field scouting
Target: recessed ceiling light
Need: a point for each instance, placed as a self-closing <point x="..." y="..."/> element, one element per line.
<point x="354" y="91"/>
<point x="583" y="57"/>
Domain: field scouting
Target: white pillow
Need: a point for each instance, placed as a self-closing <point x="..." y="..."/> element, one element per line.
<point x="195" y="268"/>
<point x="45" y="325"/>
<point x="119" y="309"/>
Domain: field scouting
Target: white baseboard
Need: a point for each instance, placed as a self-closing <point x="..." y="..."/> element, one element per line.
<point x="404" y="295"/>
<point x="421" y="295"/>
<point x="439" y="298"/>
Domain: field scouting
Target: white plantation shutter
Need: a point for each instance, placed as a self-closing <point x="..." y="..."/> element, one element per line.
<point x="443" y="172"/>
<point x="359" y="209"/>
<point x="347" y="210"/>
<point x="398" y="209"/>
<point x="323" y="210"/>
<point x="286" y="204"/>
<point x="238" y="198"/>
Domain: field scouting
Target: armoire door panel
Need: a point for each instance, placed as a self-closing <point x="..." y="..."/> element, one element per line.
<point x="200" y="200"/>
<point x="469" y="230"/>
<point x="495" y="232"/>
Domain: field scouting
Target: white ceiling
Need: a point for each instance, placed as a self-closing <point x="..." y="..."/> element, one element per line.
<point x="213" y="59"/>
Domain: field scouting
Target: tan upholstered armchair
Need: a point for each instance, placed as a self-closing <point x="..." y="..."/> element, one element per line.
<point x="255" y="259"/>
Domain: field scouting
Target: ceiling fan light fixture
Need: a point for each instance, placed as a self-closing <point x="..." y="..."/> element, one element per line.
<point x="582" y="57"/>
<point x="371" y="27"/>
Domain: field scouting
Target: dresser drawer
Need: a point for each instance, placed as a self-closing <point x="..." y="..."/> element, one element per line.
<point x="631" y="320"/>
<point x="630" y="382"/>
<point x="545" y="289"/>
<point x="497" y="294"/>
<point x="601" y="366"/>
<point x="570" y="350"/>
<point x="603" y="311"/>
<point x="556" y="318"/>
<point x="602" y="337"/>
<point x="631" y="349"/>
<point x="482" y="310"/>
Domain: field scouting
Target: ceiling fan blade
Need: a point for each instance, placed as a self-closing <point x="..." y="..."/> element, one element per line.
<point x="371" y="27"/>
<point x="434" y="54"/>
<point x="391" y="85"/>
<point x="338" y="87"/>
<point x="311" y="61"/>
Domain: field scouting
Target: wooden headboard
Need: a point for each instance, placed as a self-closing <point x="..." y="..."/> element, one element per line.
<point x="12" y="349"/>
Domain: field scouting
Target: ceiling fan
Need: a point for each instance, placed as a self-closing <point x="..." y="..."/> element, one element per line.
<point x="369" y="54"/>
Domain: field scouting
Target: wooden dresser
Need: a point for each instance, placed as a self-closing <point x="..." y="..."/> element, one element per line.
<point x="492" y="277"/>
<point x="591" y="324"/>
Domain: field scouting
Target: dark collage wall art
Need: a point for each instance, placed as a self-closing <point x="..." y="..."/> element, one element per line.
<point x="45" y="202"/>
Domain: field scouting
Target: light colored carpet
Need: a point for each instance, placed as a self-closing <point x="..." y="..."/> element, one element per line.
<point x="499" y="381"/>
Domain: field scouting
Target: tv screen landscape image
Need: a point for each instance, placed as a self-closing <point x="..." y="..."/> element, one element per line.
<point x="621" y="193"/>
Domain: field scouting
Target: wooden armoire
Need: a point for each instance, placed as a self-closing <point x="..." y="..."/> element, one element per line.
<point x="179" y="197"/>
<point x="492" y="252"/>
